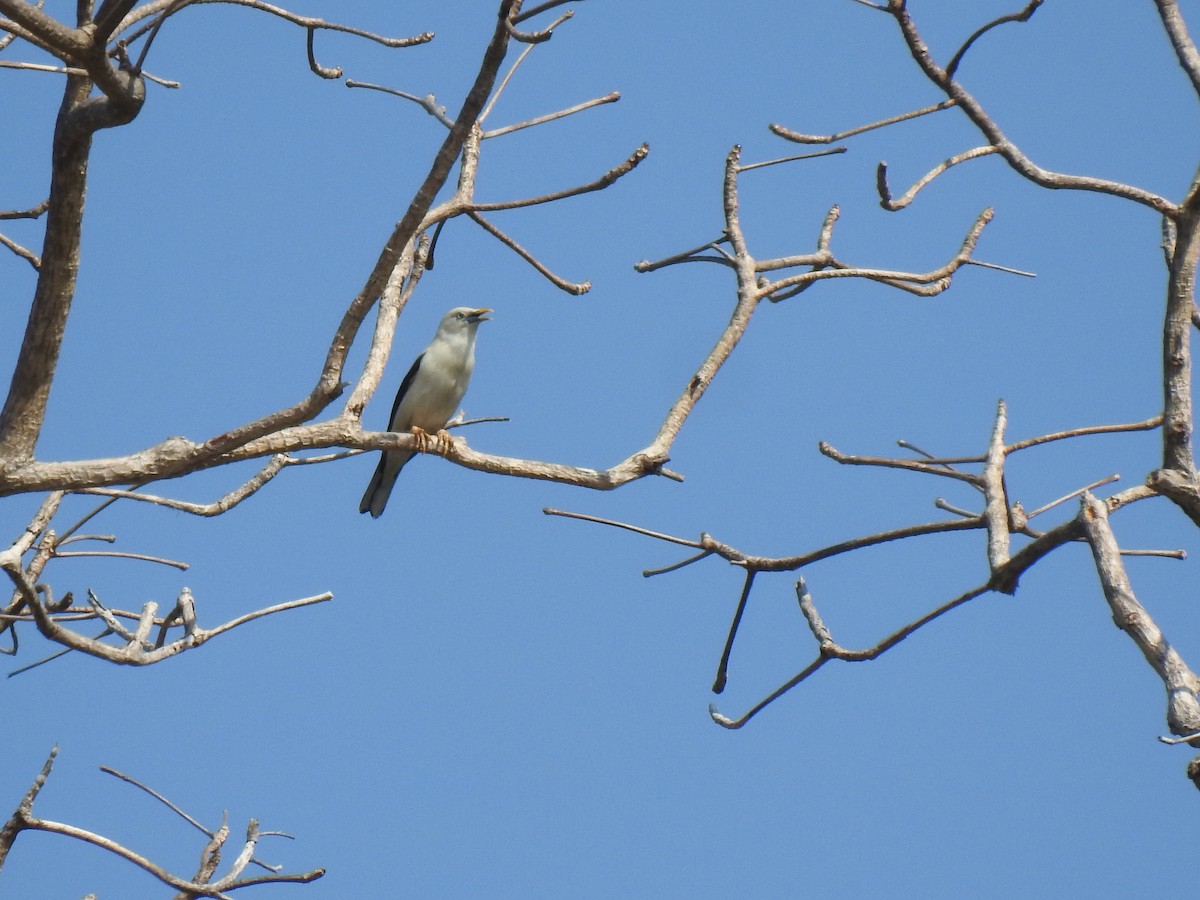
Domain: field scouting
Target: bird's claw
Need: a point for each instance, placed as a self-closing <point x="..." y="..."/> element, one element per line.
<point x="441" y="443"/>
<point x="421" y="439"/>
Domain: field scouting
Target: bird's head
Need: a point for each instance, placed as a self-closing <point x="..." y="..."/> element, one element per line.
<point x="464" y="318"/>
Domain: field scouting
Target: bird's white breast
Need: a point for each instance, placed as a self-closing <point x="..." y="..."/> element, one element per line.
<point x="439" y="385"/>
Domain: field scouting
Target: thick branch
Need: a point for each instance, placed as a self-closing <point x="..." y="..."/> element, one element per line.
<point x="80" y="115"/>
<point x="1178" y="420"/>
<point x="1181" y="683"/>
<point x="996" y="498"/>
<point x="1185" y="47"/>
<point x="25" y="407"/>
<point x="65" y="42"/>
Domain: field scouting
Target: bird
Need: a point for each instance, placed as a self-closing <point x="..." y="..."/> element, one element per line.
<point x="428" y="397"/>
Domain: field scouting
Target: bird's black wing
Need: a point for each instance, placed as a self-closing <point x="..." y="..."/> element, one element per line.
<point x="404" y="386"/>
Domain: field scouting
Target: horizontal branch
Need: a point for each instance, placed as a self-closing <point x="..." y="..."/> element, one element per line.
<point x="938" y="467"/>
<point x="1145" y="425"/>
<point x="711" y="546"/>
<point x="157" y="7"/>
<point x="186" y="886"/>
<point x="136" y="651"/>
<point x="923" y="284"/>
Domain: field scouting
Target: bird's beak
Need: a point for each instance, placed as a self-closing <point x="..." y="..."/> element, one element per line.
<point x="478" y="315"/>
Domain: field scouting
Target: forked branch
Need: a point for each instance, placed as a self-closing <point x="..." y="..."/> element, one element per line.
<point x="204" y="884"/>
<point x="1001" y="518"/>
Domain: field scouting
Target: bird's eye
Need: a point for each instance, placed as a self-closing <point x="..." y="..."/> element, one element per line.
<point x="461" y="316"/>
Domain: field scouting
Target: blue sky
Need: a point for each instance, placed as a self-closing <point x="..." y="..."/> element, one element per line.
<point x="497" y="703"/>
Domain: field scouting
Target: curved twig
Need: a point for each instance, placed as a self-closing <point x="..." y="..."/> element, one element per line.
<point x="892" y="204"/>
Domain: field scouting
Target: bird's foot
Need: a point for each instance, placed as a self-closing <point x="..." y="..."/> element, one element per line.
<point x="421" y="439"/>
<point x="443" y="443"/>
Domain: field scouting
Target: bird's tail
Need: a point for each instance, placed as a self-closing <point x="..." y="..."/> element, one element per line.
<point x="376" y="496"/>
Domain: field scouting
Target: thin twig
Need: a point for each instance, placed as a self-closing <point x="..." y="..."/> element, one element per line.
<point x="428" y="102"/>
<point x="931" y="467"/>
<point x="108" y="770"/>
<point x="622" y="525"/>
<point x="1022" y="16"/>
<point x="1071" y="496"/>
<point x="723" y="665"/>
<point x="999" y="268"/>
<point x="28" y="255"/>
<point x="1145" y="425"/>
<point x="121" y="554"/>
<point x="888" y="202"/>
<point x="538" y="10"/>
<point x="612" y="97"/>
<point x="41" y="67"/>
<point x="833" y="651"/>
<point x="571" y="287"/>
<point x="674" y="567"/>
<point x="599" y="184"/>
<point x="786" y="159"/>
<point x="685" y="256"/>
<point x="801" y="138"/>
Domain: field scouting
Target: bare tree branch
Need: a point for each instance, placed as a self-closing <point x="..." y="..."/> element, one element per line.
<point x="1181" y="683"/>
<point x="201" y="886"/>
<point x="1001" y="519"/>
<point x="428" y="102"/>
<point x="1181" y="40"/>
<point x="136" y="650"/>
<point x="576" y="288"/>
<point x="1022" y="164"/>
<point x="1022" y="16"/>
<point x="28" y="255"/>
<point x="157" y="8"/>
<point x="830" y="650"/>
<point x="612" y="97"/>
<point x="887" y="201"/>
<point x="799" y="138"/>
<point x="608" y="178"/>
<point x="1145" y="425"/>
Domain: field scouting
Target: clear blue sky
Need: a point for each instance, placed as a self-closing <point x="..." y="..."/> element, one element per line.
<point x="496" y="703"/>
